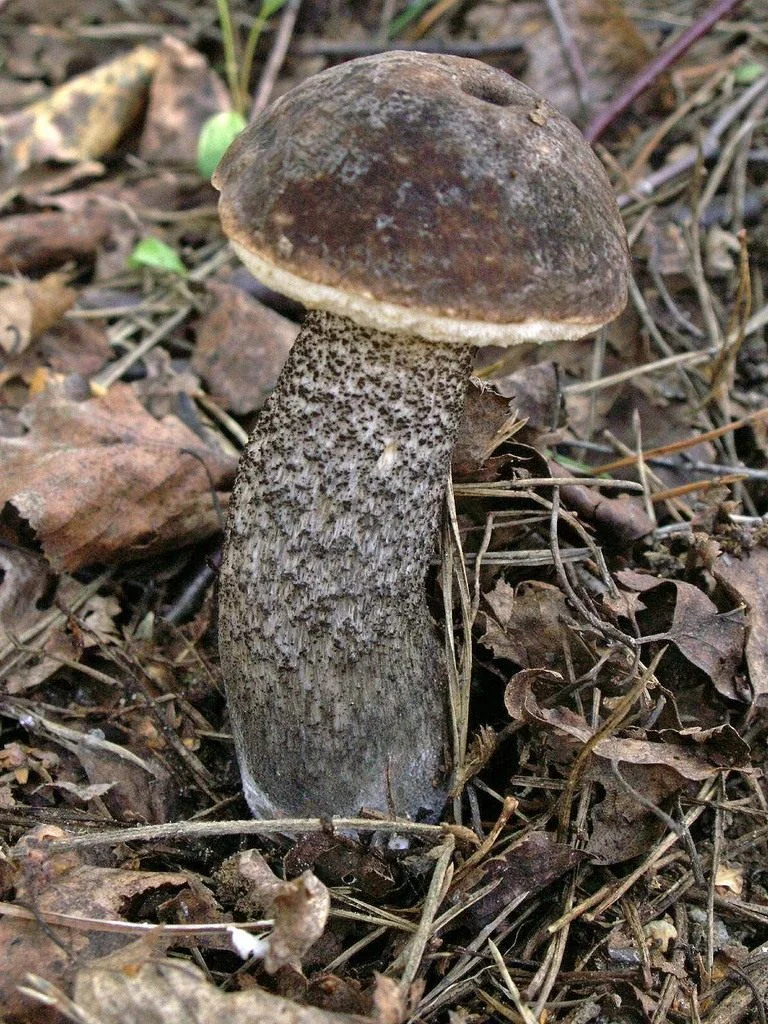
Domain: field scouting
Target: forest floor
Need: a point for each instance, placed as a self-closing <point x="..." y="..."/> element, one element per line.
<point x="605" y="856"/>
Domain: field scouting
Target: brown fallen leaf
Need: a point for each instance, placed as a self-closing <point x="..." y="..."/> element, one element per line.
<point x="80" y="120"/>
<point x="695" y="754"/>
<point x="101" y="480"/>
<point x="35" y="241"/>
<point x="27" y="308"/>
<point x="184" y="93"/>
<point x="619" y="521"/>
<point x="299" y="907"/>
<point x="530" y="626"/>
<point x="95" y="625"/>
<point x="164" y="991"/>
<point x="75" y="346"/>
<point x="746" y="580"/>
<point x="487" y="419"/>
<point x="611" y="46"/>
<point x="526" y="867"/>
<point x="335" y="858"/>
<point x="62" y="884"/>
<point x="241" y="347"/>
<point x="534" y="393"/>
<point x="681" y="614"/>
<point x="25" y="579"/>
<point x="621" y="826"/>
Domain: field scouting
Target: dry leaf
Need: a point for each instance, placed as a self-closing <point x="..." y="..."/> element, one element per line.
<point x="695" y="754"/>
<point x="241" y="347"/>
<point x="730" y="878"/>
<point x="526" y="867"/>
<point x="171" y="991"/>
<point x="27" y="308"/>
<point x="620" y="521"/>
<point x="59" y="884"/>
<point x="660" y="933"/>
<point x="390" y="1001"/>
<point x="25" y="579"/>
<point x="530" y="627"/>
<point x="34" y="241"/>
<point x="101" y="480"/>
<point x="184" y="93"/>
<point x="611" y="46"/>
<point x="75" y="346"/>
<point x="487" y="418"/>
<point x="95" y="625"/>
<point x="335" y="858"/>
<point x="299" y="908"/>
<point x="746" y="579"/>
<point x="82" y="119"/>
<point x="681" y="614"/>
<point x="623" y="827"/>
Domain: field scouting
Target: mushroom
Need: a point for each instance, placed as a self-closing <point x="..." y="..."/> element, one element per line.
<point x="419" y="206"/>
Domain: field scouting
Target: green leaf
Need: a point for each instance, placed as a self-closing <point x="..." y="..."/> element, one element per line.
<point x="151" y="252"/>
<point x="214" y="140"/>
<point x="746" y="74"/>
<point x="270" y="7"/>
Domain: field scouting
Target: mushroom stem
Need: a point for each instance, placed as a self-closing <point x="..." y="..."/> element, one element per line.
<point x="335" y="674"/>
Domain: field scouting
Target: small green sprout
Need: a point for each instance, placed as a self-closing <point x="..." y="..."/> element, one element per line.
<point x="151" y="252"/>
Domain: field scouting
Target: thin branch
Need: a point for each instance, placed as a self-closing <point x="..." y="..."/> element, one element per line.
<point x="647" y="77"/>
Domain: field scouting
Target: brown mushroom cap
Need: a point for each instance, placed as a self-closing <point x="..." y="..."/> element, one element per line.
<point x="428" y="194"/>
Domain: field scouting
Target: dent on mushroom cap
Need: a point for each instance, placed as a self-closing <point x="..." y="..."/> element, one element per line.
<point x="436" y="188"/>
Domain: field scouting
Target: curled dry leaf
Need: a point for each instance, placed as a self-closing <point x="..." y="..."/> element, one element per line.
<point x="27" y="308"/>
<point x="82" y="119"/>
<point x="730" y="878"/>
<point x="533" y="392"/>
<point x="488" y="418"/>
<point x="746" y="579"/>
<point x="695" y="754"/>
<point x="621" y="520"/>
<point x="299" y="907"/>
<point x="101" y="480"/>
<point x="168" y="991"/>
<point x="34" y="241"/>
<point x="681" y="614"/>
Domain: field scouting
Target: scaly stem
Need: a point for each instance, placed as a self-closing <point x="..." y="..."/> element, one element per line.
<point x="334" y="670"/>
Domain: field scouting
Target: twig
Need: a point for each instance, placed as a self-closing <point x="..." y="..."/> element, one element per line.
<point x="276" y="57"/>
<point x="571" y="53"/>
<point x="414" y="951"/>
<point x="522" y="1008"/>
<point x="709" y="146"/>
<point x="344" y="49"/>
<point x="688" y="442"/>
<point x="681" y="359"/>
<point x="646" y="78"/>
<point x="98" y="924"/>
<point x="189" y="830"/>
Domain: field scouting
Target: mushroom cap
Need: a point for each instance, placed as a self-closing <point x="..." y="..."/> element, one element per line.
<point x="429" y="194"/>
